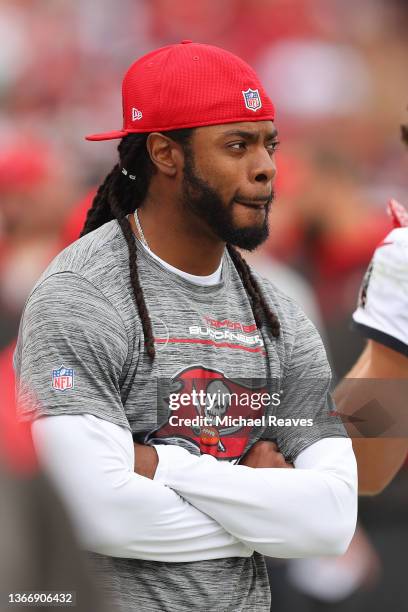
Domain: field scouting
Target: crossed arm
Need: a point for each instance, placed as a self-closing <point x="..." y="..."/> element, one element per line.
<point x="198" y="508"/>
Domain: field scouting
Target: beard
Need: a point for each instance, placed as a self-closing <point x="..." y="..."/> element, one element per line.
<point x="205" y="202"/>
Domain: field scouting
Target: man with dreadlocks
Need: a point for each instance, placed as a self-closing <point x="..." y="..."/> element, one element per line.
<point x="147" y="346"/>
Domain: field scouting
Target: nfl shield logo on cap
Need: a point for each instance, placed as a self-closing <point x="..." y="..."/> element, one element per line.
<point x="252" y="99"/>
<point x="63" y="379"/>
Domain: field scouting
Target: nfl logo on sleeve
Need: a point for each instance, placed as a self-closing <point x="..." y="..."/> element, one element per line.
<point x="63" y="379"/>
<point x="252" y="99"/>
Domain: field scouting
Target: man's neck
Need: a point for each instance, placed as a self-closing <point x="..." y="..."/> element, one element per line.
<point x="179" y="245"/>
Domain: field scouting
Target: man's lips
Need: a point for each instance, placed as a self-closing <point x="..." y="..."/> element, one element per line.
<point x="254" y="203"/>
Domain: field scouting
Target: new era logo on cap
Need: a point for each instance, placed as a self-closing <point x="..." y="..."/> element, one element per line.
<point x="252" y="99"/>
<point x="136" y="114"/>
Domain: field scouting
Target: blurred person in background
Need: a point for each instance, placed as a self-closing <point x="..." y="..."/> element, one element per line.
<point x="382" y="319"/>
<point x="35" y="191"/>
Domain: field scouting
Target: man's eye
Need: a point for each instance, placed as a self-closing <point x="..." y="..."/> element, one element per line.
<point x="273" y="146"/>
<point x="237" y="145"/>
<point x="242" y="145"/>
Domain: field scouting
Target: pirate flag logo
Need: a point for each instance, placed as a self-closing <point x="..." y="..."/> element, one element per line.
<point x="216" y="415"/>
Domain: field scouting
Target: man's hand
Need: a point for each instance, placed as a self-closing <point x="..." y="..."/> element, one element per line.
<point x="146" y="460"/>
<point x="265" y="454"/>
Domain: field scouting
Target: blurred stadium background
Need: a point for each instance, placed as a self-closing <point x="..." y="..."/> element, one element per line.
<point x="337" y="72"/>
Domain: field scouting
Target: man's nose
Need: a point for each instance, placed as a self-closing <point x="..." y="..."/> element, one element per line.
<point x="264" y="169"/>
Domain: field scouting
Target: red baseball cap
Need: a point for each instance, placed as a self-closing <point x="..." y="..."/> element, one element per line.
<point x="189" y="85"/>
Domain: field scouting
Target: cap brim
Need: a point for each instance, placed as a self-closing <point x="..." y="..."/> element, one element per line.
<point x="107" y="135"/>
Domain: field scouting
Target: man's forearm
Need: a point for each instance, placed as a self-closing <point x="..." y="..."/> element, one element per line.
<point x="117" y="512"/>
<point x="378" y="459"/>
<point x="299" y="512"/>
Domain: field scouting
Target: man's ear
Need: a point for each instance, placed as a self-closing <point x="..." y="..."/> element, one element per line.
<point x="165" y="154"/>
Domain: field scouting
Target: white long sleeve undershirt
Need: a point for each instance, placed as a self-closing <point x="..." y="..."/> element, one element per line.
<point x="307" y="511"/>
<point x="116" y="511"/>
<point x="197" y="508"/>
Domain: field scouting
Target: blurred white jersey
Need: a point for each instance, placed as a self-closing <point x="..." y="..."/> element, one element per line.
<point x="382" y="311"/>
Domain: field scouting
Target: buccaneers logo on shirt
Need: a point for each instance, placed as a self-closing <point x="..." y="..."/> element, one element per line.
<point x="211" y="414"/>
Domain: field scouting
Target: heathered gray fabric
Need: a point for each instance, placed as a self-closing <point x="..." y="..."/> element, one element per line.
<point x="81" y="314"/>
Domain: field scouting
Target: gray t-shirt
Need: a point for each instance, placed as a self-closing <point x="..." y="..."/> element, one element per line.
<point x="81" y="350"/>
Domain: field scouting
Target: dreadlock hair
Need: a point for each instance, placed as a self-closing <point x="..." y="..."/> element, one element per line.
<point x="118" y="196"/>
